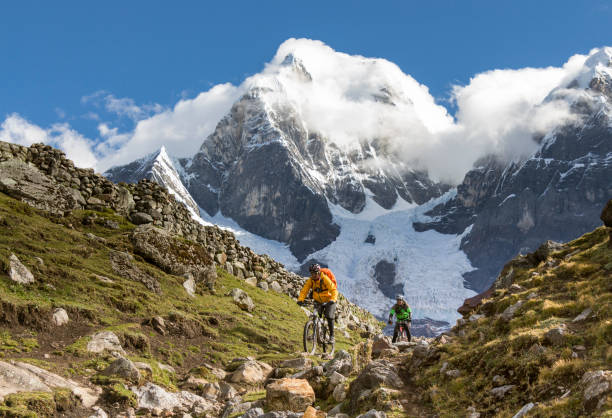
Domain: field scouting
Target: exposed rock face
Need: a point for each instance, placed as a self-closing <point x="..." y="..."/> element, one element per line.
<point x="20" y="377"/>
<point x="174" y="256"/>
<point x="122" y="263"/>
<point x="556" y="194"/>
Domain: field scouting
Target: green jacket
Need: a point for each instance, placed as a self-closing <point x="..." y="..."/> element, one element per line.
<point x="403" y="313"/>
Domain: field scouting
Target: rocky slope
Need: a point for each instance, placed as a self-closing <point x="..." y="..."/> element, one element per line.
<point x="553" y="194"/>
<point x="97" y="312"/>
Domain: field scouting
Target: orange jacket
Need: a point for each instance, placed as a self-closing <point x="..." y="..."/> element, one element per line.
<point x="323" y="290"/>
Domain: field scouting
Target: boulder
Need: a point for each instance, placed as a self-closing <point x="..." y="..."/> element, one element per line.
<point x="18" y="272"/>
<point x="252" y="281"/>
<point x="151" y="396"/>
<point x="105" y="340"/>
<point x="243" y="300"/>
<point x="275" y="286"/>
<point x="292" y="394"/>
<point x="252" y="372"/>
<point x="28" y="184"/>
<point x="124" y="368"/>
<point x="597" y="384"/>
<point x="141" y="218"/>
<point x="60" y="317"/>
<point x="472" y="303"/>
<point x="339" y="393"/>
<point x="190" y="286"/>
<point x="375" y="374"/>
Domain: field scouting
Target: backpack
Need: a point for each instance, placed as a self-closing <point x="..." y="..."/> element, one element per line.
<point x="331" y="276"/>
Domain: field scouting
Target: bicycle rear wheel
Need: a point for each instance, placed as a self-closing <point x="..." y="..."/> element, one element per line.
<point x="310" y="337"/>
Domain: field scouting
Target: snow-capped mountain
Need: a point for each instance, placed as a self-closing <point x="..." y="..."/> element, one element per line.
<point x="159" y="167"/>
<point x="556" y="193"/>
<point x="276" y="168"/>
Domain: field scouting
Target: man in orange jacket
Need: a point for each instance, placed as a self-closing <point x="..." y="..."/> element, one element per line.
<point x="324" y="291"/>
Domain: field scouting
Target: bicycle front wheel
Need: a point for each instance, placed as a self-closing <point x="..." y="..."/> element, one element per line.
<point x="310" y="337"/>
<point x="326" y="346"/>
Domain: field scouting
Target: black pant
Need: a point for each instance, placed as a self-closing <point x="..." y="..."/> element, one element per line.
<point x="396" y="330"/>
<point x="329" y="309"/>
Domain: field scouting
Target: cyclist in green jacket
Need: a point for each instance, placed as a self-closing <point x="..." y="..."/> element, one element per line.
<point x="402" y="312"/>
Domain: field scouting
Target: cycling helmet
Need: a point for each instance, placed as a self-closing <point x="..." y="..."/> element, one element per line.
<point x="314" y="268"/>
<point x="399" y="297"/>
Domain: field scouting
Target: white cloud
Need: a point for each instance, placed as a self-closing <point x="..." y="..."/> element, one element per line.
<point x="350" y="99"/>
<point x="78" y="148"/>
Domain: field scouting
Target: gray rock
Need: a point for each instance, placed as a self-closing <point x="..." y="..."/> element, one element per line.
<point x="190" y="286"/>
<point x="300" y="363"/>
<point x="373" y="413"/>
<point x="253" y="413"/>
<point x="243" y="300"/>
<point x="19" y="377"/>
<point x="596" y="384"/>
<point x="124" y="368"/>
<point x="18" y="272"/>
<point x="151" y="396"/>
<point x="60" y="317"/>
<point x="141" y="218"/>
<point x="339" y="393"/>
<point x="523" y="411"/>
<point x="556" y="336"/>
<point x="584" y="315"/>
<point x="500" y="392"/>
<point x="123" y="265"/>
<point x="341" y="363"/>
<point x="105" y="341"/>
<point x="336" y="378"/>
<point x="275" y="286"/>
<point x="98" y="413"/>
<point x="511" y="310"/>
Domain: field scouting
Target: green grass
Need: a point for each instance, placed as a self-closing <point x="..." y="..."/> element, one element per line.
<point x="496" y="347"/>
<point x="68" y="277"/>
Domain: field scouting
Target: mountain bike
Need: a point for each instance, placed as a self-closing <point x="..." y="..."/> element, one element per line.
<point x="316" y="332"/>
<point x="404" y="329"/>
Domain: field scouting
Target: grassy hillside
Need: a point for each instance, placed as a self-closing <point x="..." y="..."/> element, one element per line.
<point x="70" y="259"/>
<point x="545" y="367"/>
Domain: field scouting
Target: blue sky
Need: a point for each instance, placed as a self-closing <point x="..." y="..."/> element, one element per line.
<point x="156" y="52"/>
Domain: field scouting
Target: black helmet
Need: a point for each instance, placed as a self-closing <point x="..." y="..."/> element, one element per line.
<point x="314" y="268"/>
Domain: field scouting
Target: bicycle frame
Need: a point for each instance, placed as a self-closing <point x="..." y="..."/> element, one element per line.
<point x="319" y="331"/>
